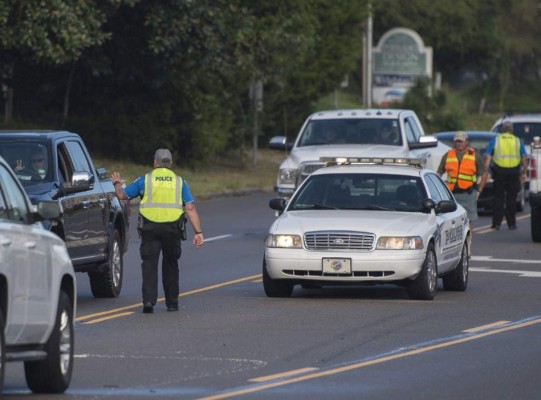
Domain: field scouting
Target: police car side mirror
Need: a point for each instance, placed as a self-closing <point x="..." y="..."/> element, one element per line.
<point x="428" y="205"/>
<point x="278" y="204"/>
<point x="445" y="206"/>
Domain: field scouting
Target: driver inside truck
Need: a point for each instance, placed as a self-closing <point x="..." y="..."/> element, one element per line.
<point x="387" y="134"/>
<point x="37" y="162"/>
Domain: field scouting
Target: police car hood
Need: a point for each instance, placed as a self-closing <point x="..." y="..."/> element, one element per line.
<point x="380" y="223"/>
<point x="313" y="153"/>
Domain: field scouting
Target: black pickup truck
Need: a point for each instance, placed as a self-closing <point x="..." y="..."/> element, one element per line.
<point x="95" y="224"/>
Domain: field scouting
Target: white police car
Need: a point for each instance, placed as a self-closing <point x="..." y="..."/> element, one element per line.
<point x="371" y="221"/>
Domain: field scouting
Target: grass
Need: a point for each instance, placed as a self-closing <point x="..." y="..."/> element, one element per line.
<point x="221" y="179"/>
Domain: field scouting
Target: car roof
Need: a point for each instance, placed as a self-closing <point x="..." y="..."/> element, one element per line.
<point x="521" y="118"/>
<point x="518" y="118"/>
<point x="387" y="113"/>
<point x="35" y="134"/>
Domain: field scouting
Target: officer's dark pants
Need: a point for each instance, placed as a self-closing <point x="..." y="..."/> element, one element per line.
<point x="165" y="239"/>
<point x="506" y="188"/>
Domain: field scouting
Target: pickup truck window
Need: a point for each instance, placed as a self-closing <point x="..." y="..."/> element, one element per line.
<point x="349" y="131"/>
<point x="65" y="169"/>
<point x="412" y="130"/>
<point x="30" y="161"/>
<point x="78" y="157"/>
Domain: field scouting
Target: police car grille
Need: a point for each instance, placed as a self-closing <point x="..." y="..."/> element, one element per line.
<point x="338" y="241"/>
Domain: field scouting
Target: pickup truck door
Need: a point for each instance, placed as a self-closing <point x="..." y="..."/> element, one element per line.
<point x="84" y="209"/>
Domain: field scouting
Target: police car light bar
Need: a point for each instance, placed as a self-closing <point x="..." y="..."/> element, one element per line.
<point x="414" y="162"/>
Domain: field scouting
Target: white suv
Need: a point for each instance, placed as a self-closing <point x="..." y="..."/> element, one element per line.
<point x="525" y="127"/>
<point x="535" y="189"/>
<point x="37" y="290"/>
<point x="353" y="133"/>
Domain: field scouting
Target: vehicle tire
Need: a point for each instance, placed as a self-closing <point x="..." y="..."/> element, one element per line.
<point x="53" y="374"/>
<point x="423" y="287"/>
<point x="458" y="279"/>
<point x="2" y="352"/>
<point x="521" y="200"/>
<point x="275" y="287"/>
<point x="107" y="282"/>
<point x="535" y="223"/>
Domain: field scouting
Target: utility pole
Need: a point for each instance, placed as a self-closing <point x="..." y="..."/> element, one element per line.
<point x="367" y="59"/>
<point x="256" y="97"/>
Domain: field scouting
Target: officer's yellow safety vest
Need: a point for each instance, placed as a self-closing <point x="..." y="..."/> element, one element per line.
<point x="162" y="200"/>
<point x="507" y="151"/>
<point x="464" y="174"/>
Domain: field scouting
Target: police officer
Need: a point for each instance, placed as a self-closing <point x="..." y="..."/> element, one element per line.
<point x="463" y="166"/>
<point x="506" y="151"/>
<point x="165" y="198"/>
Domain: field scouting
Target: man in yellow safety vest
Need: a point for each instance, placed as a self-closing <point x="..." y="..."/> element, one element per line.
<point x="165" y="199"/>
<point x="509" y="161"/>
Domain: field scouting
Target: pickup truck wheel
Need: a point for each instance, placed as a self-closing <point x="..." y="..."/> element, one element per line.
<point x="423" y="287"/>
<point x="458" y="279"/>
<point x="107" y="282"/>
<point x="53" y="374"/>
<point x="535" y="223"/>
<point x="275" y="287"/>
<point x="2" y="352"/>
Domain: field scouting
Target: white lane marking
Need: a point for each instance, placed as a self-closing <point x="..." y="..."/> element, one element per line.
<point x="506" y="260"/>
<point x="217" y="238"/>
<point x="526" y="274"/>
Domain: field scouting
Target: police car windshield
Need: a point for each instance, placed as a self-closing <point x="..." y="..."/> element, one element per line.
<point x="360" y="192"/>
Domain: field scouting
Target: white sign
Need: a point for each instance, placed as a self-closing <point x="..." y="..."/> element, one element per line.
<point x="399" y="59"/>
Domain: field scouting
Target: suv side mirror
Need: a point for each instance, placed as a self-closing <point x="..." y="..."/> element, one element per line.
<point x="280" y="143"/>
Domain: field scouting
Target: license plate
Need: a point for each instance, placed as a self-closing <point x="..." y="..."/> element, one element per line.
<point x="337" y="266"/>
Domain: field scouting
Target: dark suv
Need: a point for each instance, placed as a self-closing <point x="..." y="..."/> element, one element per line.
<point x="56" y="165"/>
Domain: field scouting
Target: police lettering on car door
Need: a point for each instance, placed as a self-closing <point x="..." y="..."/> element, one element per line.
<point x="452" y="239"/>
<point x="453" y="235"/>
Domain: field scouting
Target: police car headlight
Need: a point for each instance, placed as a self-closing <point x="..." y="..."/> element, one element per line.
<point x="400" y="243"/>
<point x="284" y="241"/>
<point x="287" y="176"/>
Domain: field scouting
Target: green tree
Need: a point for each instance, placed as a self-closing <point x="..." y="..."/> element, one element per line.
<point x="50" y="32"/>
<point x="330" y="48"/>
